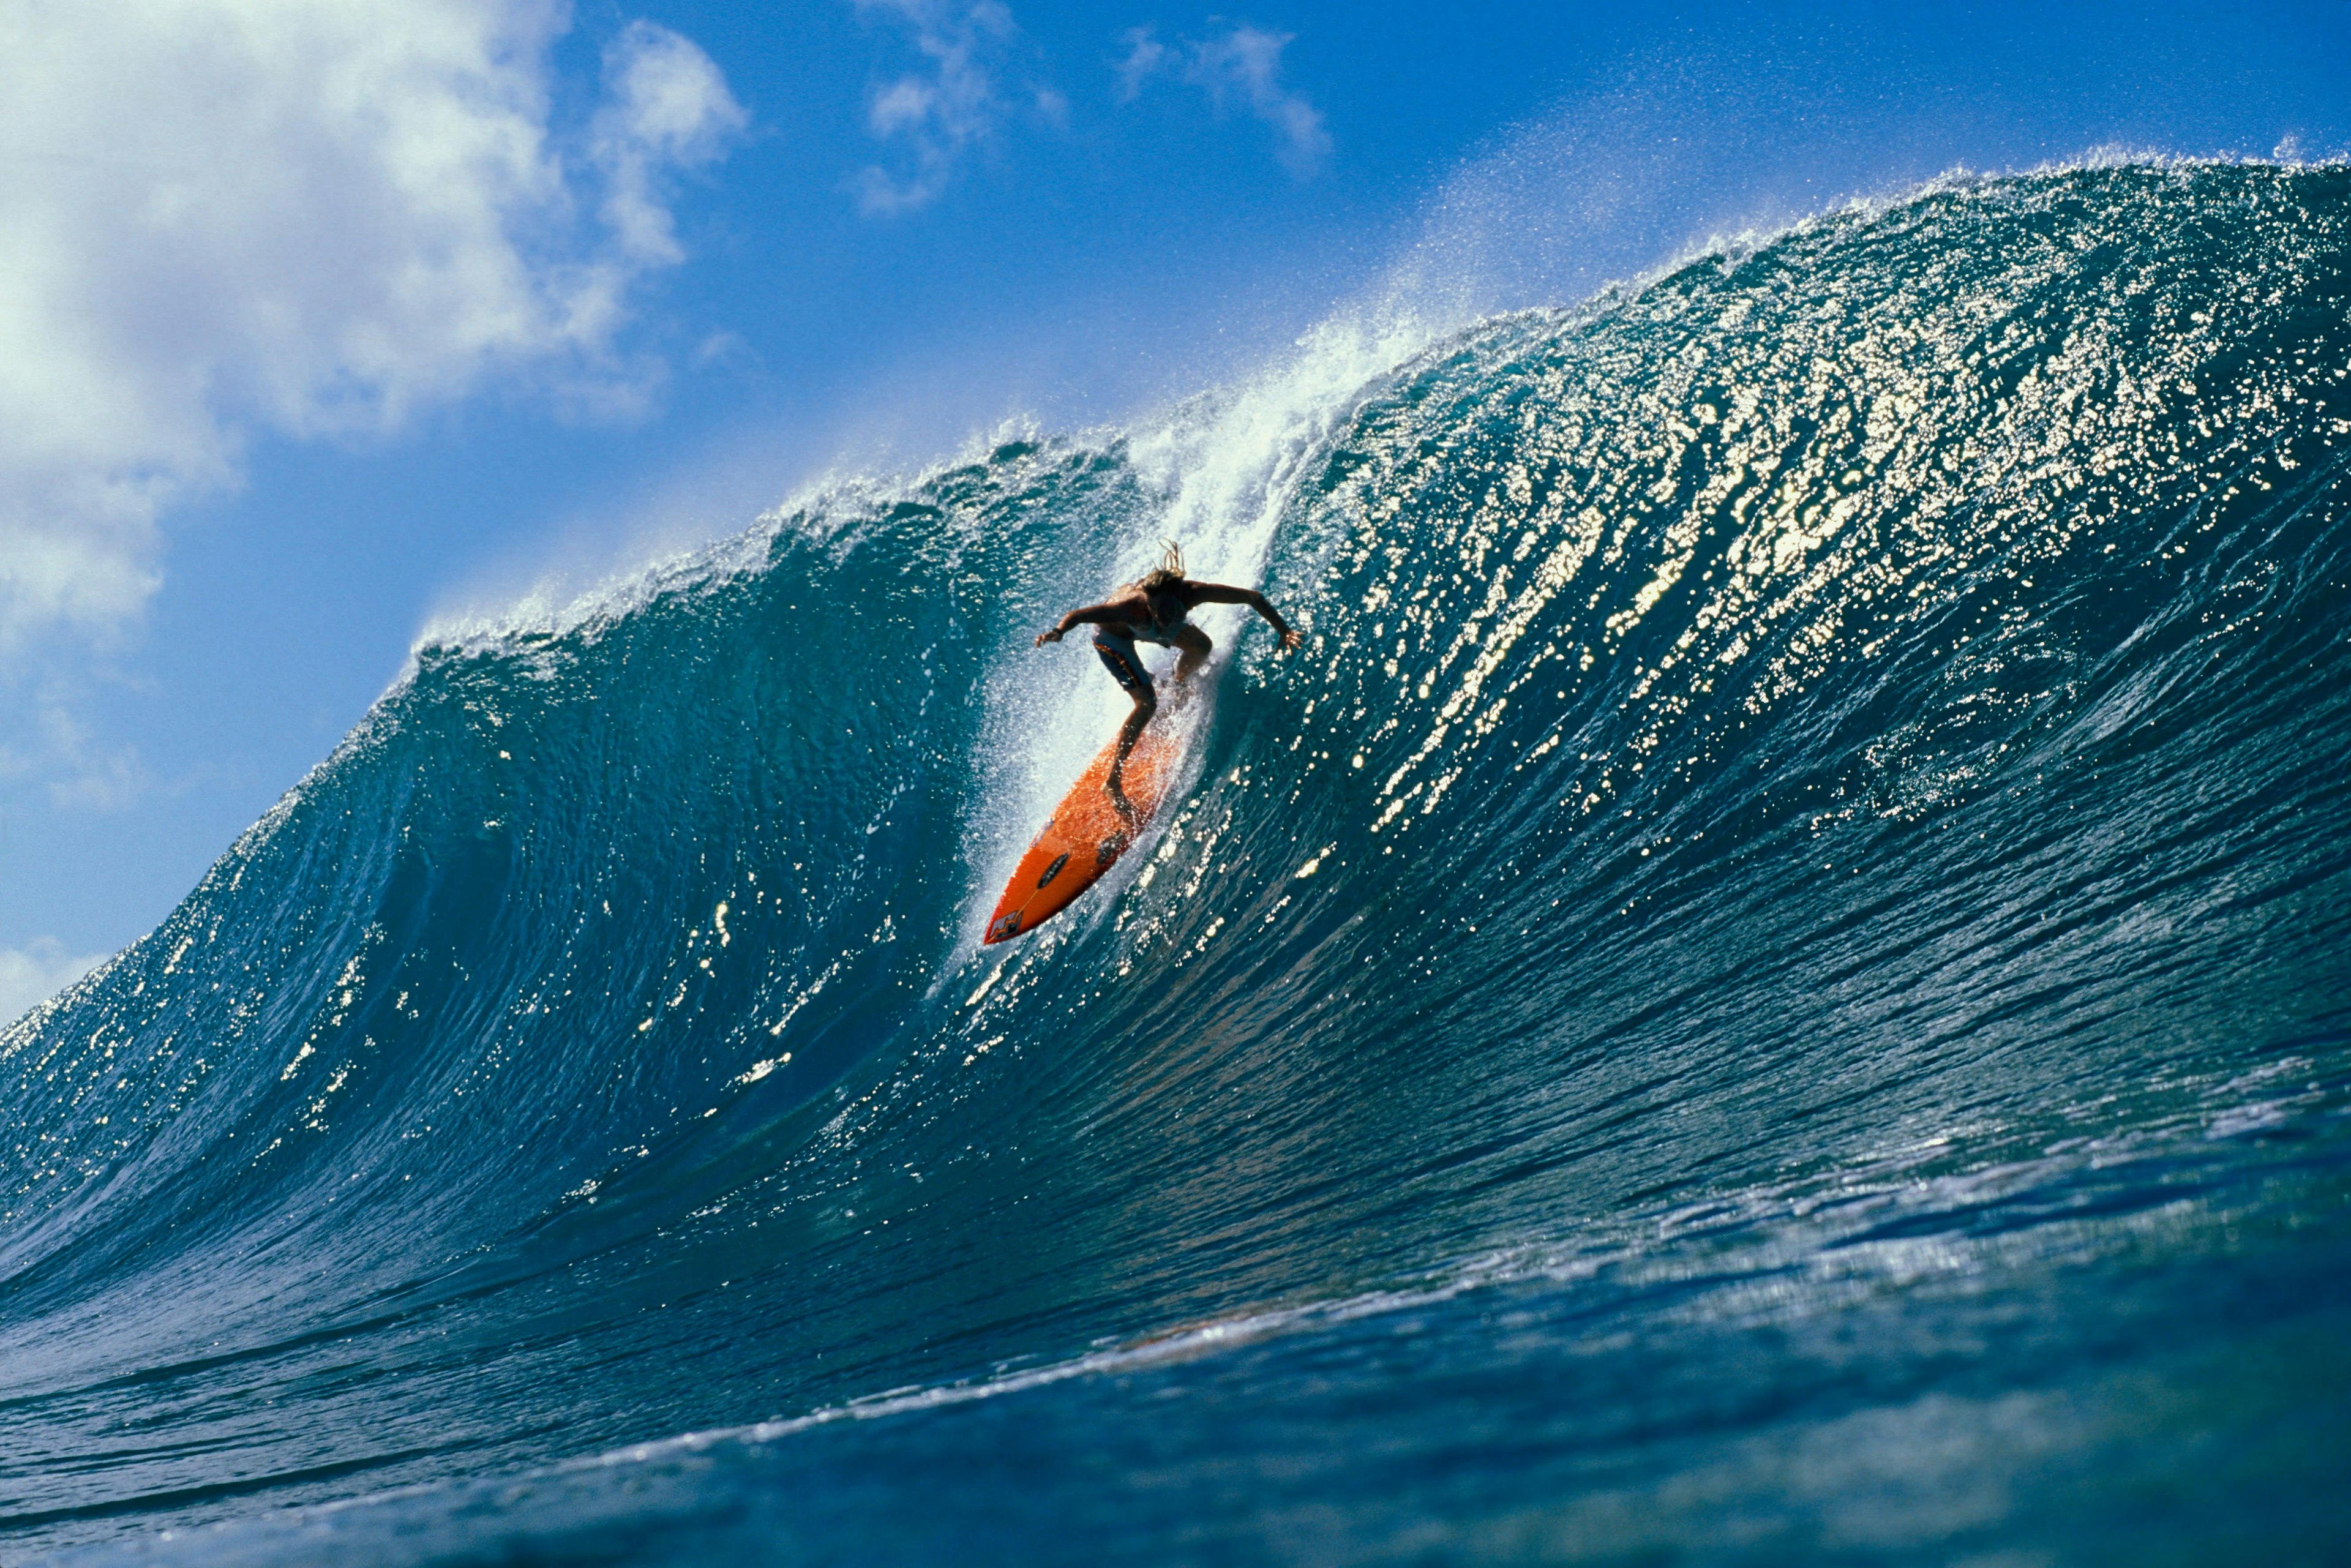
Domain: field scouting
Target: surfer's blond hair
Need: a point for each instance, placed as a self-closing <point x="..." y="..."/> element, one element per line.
<point x="1169" y="570"/>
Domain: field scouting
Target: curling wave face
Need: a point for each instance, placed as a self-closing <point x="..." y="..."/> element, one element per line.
<point x="1770" y="984"/>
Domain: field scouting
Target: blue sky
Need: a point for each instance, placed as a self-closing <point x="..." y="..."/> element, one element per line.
<point x="322" y="321"/>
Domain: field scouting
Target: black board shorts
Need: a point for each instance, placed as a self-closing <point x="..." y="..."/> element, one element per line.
<point x="1125" y="666"/>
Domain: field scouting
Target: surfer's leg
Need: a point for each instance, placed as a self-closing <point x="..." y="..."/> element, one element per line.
<point x="1135" y="681"/>
<point x="1193" y="649"/>
<point x="1145" y="703"/>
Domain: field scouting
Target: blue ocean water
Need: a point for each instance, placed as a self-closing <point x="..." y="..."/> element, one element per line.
<point x="1774" y="984"/>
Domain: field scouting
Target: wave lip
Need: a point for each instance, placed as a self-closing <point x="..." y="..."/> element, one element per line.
<point x="1816" y="796"/>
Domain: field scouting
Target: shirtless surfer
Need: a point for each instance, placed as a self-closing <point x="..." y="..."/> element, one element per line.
<point x="1155" y="609"/>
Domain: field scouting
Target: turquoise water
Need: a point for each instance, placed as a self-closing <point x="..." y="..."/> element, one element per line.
<point x="1770" y="986"/>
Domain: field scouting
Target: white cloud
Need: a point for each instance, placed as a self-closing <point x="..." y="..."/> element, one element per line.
<point x="939" y="113"/>
<point x="669" y="108"/>
<point x="1244" y="65"/>
<point x="45" y="739"/>
<point x="29" y="976"/>
<point x="223" y="216"/>
<point x="1145" y="57"/>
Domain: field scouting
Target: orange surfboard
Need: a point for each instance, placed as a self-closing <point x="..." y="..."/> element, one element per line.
<point x="1086" y="835"/>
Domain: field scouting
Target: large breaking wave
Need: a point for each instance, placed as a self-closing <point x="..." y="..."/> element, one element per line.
<point x="1770" y="984"/>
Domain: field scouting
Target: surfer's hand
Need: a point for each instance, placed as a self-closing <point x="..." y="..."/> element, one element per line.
<point x="1053" y="635"/>
<point x="1289" y="637"/>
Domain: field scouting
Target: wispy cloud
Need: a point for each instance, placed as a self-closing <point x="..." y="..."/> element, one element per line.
<point x="1147" y="56"/>
<point x="665" y="108"/>
<point x="45" y="741"/>
<point x="970" y="81"/>
<point x="1239" y="67"/>
<point x="30" y="975"/>
<point x="317" y="219"/>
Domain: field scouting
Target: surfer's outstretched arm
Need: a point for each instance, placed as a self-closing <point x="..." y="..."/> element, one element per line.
<point x="1116" y="611"/>
<point x="1225" y="594"/>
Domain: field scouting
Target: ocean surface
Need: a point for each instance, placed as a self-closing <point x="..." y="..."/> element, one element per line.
<point x="1771" y="985"/>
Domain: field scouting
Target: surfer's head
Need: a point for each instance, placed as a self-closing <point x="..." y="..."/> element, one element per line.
<point x="1167" y="574"/>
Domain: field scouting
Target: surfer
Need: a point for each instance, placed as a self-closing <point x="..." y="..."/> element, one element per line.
<point x="1155" y="609"/>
